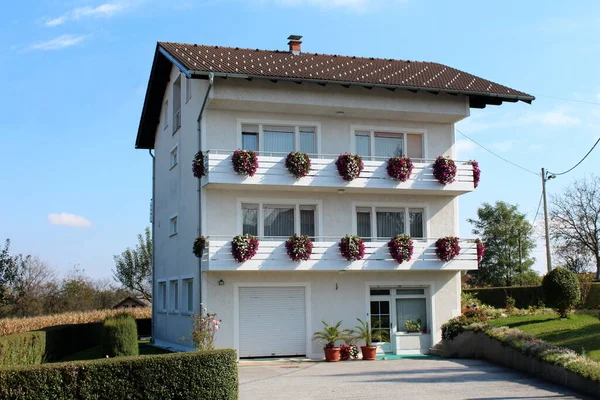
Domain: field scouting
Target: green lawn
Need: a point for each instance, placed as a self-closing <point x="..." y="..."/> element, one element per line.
<point x="578" y="332"/>
<point x="95" y="352"/>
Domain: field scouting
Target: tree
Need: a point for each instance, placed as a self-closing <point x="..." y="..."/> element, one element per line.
<point x="508" y="243"/>
<point x="575" y="217"/>
<point x="134" y="266"/>
<point x="33" y="281"/>
<point x="11" y="268"/>
<point x="561" y="290"/>
<point x="572" y="256"/>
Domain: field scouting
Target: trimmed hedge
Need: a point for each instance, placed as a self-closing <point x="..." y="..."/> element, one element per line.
<point x="525" y="296"/>
<point x="194" y="375"/>
<point x="23" y="349"/>
<point x="119" y="336"/>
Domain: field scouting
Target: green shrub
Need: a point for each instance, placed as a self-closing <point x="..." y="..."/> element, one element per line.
<point x="561" y="290"/>
<point x="119" y="336"/>
<point x="593" y="299"/>
<point x="194" y="375"/>
<point x="22" y="349"/>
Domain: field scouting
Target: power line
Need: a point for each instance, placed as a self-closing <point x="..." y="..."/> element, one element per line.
<point x="574" y="101"/>
<point x="538" y="208"/>
<point x="580" y="161"/>
<point x="500" y="157"/>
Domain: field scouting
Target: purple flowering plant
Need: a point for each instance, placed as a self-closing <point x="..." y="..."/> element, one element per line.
<point x="204" y="327"/>
<point x="444" y="170"/>
<point x="299" y="247"/>
<point x="298" y="164"/>
<point x="245" y="162"/>
<point x="401" y="248"/>
<point x="349" y="166"/>
<point x="198" y="165"/>
<point x="244" y="247"/>
<point x="399" y="168"/>
<point x="480" y="250"/>
<point x="476" y="173"/>
<point x="447" y="248"/>
<point x="352" y="247"/>
<point x="199" y="245"/>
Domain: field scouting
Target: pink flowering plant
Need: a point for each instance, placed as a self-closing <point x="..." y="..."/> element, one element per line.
<point x="444" y="170"/>
<point x="204" y="327"/>
<point x="298" y="164"/>
<point x="476" y="172"/>
<point x="244" y="247"/>
<point x="349" y="166"/>
<point x="480" y="250"/>
<point x="199" y="245"/>
<point x="299" y="247"/>
<point x="245" y="162"/>
<point x="198" y="167"/>
<point x="447" y="248"/>
<point x="401" y="248"/>
<point x="352" y="247"/>
<point x="399" y="168"/>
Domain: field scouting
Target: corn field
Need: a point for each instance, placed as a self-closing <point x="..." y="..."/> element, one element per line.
<point x="9" y="326"/>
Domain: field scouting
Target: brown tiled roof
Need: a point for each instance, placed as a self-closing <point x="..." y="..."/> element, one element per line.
<point x="333" y="68"/>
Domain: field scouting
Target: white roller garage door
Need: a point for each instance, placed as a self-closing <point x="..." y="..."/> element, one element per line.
<point x="272" y="321"/>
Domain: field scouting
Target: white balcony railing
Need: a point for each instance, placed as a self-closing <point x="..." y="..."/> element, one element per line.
<point x="324" y="174"/>
<point x="272" y="256"/>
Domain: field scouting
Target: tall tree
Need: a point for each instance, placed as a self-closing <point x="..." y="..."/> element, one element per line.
<point x="572" y="256"/>
<point x="575" y="217"/>
<point x="134" y="266"/>
<point x="11" y="267"/>
<point x="508" y="243"/>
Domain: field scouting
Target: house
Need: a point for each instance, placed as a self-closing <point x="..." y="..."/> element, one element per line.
<point x="217" y="99"/>
<point x="131" y="302"/>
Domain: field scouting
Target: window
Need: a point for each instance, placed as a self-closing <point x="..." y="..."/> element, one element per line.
<point x="174" y="295"/>
<point x="389" y="222"/>
<point x="177" y="104"/>
<point x="381" y="145"/>
<point x="166" y="114"/>
<point x="411" y="304"/>
<point x="188" y="89"/>
<point x="276" y="140"/>
<point x="173" y="157"/>
<point x="188" y="294"/>
<point x="278" y="220"/>
<point x="162" y="296"/>
<point x="173" y="226"/>
<point x="390" y="308"/>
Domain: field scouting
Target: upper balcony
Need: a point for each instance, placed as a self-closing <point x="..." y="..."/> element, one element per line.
<point x="272" y="256"/>
<point x="272" y="174"/>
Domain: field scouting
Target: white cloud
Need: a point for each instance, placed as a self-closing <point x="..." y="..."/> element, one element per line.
<point x="72" y="220"/>
<point x="60" y="42"/>
<point x="105" y="10"/>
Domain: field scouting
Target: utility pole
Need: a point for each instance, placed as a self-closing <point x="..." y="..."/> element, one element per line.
<point x="548" y="256"/>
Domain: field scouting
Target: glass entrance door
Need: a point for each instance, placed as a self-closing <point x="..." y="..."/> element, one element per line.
<point x="381" y="323"/>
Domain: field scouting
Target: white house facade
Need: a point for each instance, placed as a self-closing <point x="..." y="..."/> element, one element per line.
<point x="218" y="99"/>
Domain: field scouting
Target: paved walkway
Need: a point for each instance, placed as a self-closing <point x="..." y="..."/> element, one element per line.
<point x="427" y="378"/>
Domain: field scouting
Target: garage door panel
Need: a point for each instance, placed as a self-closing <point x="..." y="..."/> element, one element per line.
<point x="272" y="321"/>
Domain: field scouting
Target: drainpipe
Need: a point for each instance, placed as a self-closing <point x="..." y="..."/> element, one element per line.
<point x="152" y="234"/>
<point x="211" y="77"/>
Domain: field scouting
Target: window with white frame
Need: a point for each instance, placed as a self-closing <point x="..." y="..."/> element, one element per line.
<point x="188" y="89"/>
<point x="174" y="295"/>
<point x="166" y="114"/>
<point x="173" y="160"/>
<point x="173" y="226"/>
<point x="391" y="308"/>
<point x="387" y="222"/>
<point x="187" y="285"/>
<point x="375" y="144"/>
<point x="162" y="296"/>
<point x="177" y="104"/>
<point x="279" y="139"/>
<point x="411" y="305"/>
<point x="273" y="220"/>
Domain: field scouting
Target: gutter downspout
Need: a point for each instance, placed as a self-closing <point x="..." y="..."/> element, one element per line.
<point x="152" y="258"/>
<point x="211" y="78"/>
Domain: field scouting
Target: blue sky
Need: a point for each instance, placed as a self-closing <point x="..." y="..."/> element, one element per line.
<point x="76" y="192"/>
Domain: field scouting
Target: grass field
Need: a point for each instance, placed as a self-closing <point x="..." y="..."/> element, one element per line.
<point x="580" y="332"/>
<point x="95" y="352"/>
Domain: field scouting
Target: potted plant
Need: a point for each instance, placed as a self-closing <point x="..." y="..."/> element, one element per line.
<point x="349" y="166"/>
<point x="331" y="334"/>
<point x="244" y="247"/>
<point x="245" y="162"/>
<point x="447" y="248"/>
<point x="299" y="247"/>
<point x="480" y="250"/>
<point x="412" y="326"/>
<point x="401" y="248"/>
<point x="198" y="168"/>
<point x="352" y="247"/>
<point x="444" y="170"/>
<point x="199" y="245"/>
<point x="298" y="164"/>
<point x="399" y="168"/>
<point x="476" y="172"/>
<point x="364" y="332"/>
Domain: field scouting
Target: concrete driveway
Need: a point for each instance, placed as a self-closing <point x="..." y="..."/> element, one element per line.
<point x="424" y="378"/>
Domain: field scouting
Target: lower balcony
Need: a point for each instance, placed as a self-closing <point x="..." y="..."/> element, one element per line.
<point x="272" y="256"/>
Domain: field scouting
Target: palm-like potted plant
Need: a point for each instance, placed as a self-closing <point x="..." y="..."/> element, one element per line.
<point x="331" y="334"/>
<point x="364" y="332"/>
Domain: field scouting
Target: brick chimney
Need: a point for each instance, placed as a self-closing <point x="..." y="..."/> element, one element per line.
<point x="295" y="44"/>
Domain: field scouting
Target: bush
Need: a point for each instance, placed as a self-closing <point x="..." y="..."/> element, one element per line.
<point x="22" y="349"/>
<point x="194" y="375"/>
<point x="561" y="290"/>
<point x="119" y="336"/>
<point x="524" y="296"/>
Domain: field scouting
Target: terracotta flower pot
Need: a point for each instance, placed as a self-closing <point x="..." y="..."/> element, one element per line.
<point x="369" y="352"/>
<point x="332" y="354"/>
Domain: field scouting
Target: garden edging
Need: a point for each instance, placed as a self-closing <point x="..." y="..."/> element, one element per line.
<point x="478" y="345"/>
